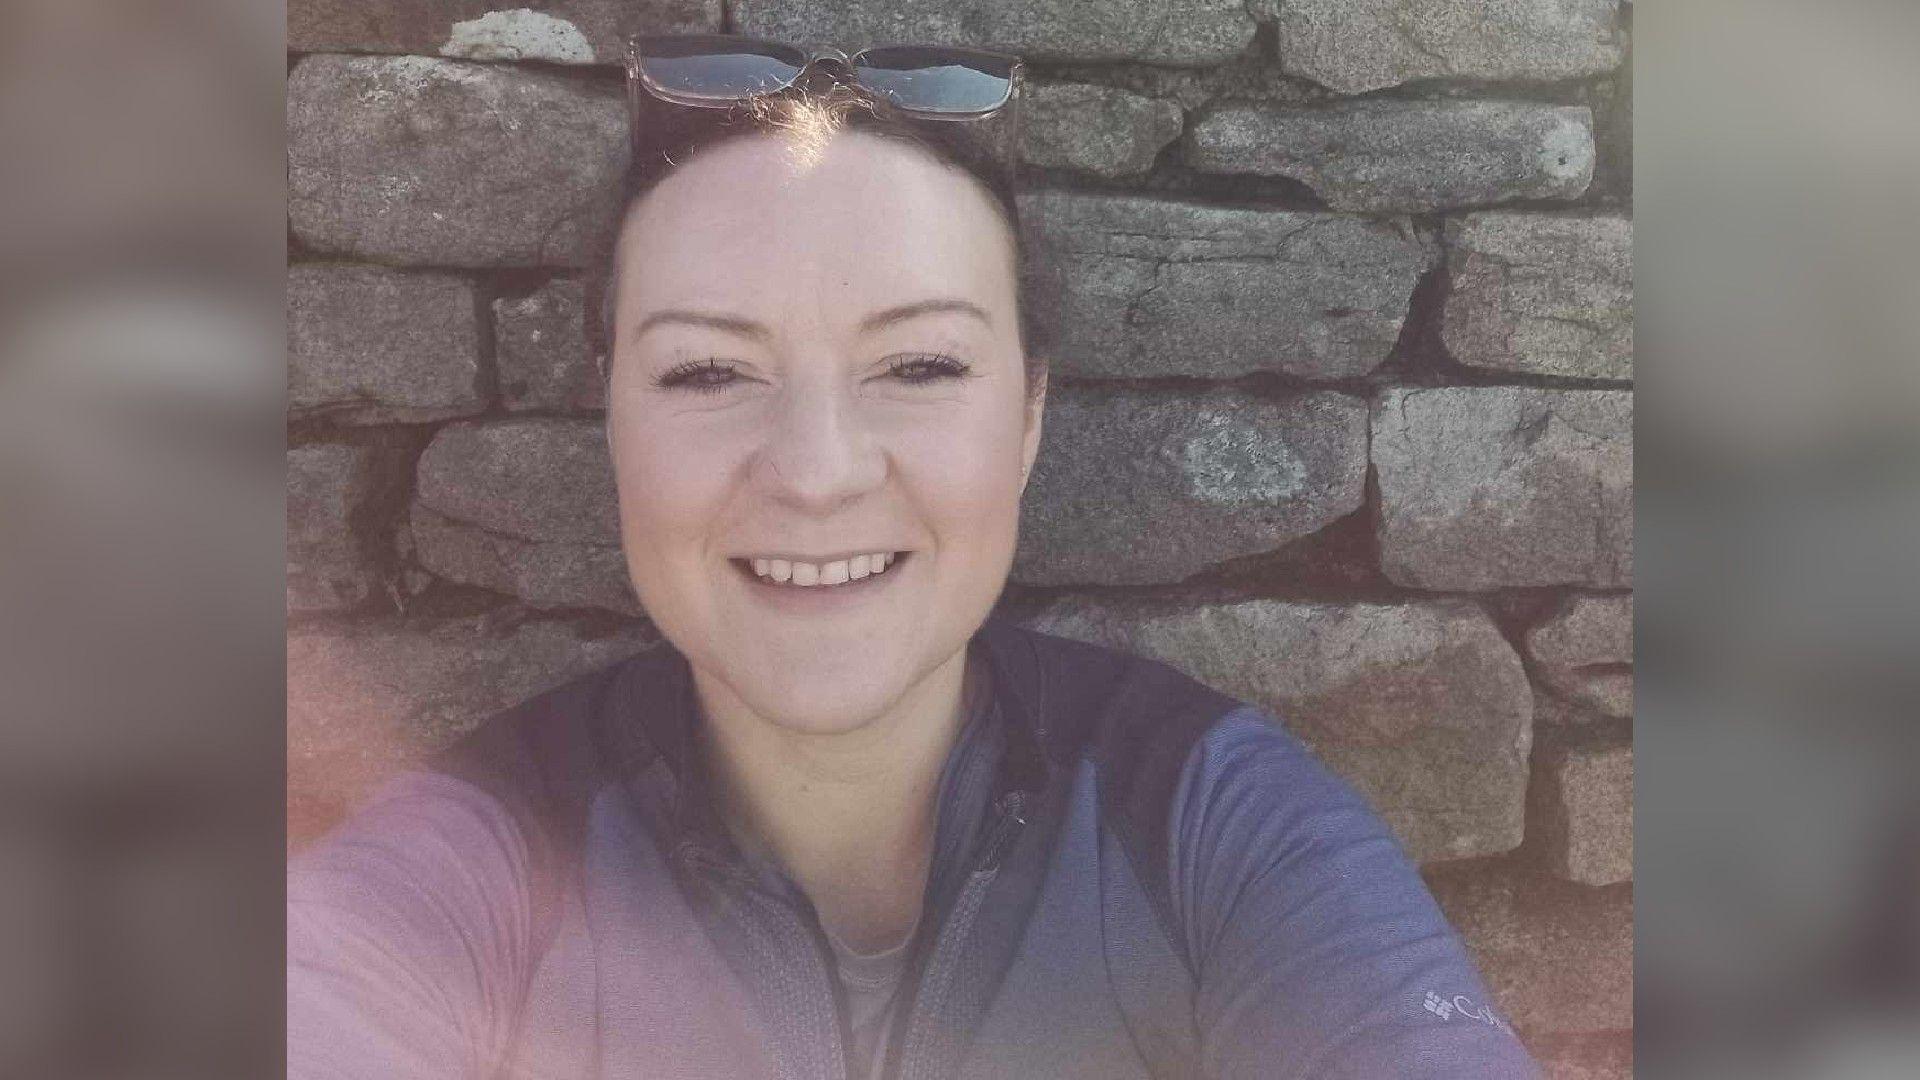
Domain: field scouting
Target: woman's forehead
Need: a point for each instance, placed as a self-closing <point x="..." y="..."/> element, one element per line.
<point x="750" y="222"/>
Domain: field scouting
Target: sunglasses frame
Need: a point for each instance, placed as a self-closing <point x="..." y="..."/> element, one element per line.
<point x="838" y="63"/>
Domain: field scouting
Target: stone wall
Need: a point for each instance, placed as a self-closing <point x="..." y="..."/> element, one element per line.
<point x="1347" y="299"/>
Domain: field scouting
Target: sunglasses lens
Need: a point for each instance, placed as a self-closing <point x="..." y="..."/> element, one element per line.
<point x="937" y="80"/>
<point x="717" y="67"/>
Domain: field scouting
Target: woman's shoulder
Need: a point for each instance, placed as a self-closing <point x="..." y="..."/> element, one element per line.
<point x="1176" y="757"/>
<point x="468" y="811"/>
<point x="1133" y="712"/>
<point x="1170" y="751"/>
<point x="1081" y="671"/>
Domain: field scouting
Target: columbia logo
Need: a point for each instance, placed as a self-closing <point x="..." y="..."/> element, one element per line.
<point x="1445" y="1008"/>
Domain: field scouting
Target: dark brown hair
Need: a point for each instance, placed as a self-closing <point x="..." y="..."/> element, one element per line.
<point x="986" y="150"/>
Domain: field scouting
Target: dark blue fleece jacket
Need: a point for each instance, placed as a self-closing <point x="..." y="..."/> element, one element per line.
<point x="1134" y="876"/>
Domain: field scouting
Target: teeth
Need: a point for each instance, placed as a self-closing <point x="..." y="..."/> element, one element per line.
<point x="816" y="574"/>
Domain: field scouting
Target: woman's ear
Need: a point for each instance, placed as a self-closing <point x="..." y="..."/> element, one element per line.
<point x="1036" y="410"/>
<point x="606" y="412"/>
<point x="600" y="360"/>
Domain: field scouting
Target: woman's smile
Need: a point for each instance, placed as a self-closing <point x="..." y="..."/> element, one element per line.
<point x="826" y="570"/>
<point x="814" y="588"/>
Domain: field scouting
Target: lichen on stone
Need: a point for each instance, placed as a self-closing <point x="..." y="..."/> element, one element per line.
<point x="519" y="34"/>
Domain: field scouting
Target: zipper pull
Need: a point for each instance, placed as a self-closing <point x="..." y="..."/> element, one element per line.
<point x="1005" y="828"/>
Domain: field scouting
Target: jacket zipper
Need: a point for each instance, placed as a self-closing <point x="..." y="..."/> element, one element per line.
<point x="1006" y="828"/>
<point x="954" y="933"/>
<point x="807" y="922"/>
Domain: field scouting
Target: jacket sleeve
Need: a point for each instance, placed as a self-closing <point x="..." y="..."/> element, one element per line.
<point x="1318" y="950"/>
<point x="406" y="936"/>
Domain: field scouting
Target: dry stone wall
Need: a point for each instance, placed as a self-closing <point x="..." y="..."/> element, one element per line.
<point x="1340" y="423"/>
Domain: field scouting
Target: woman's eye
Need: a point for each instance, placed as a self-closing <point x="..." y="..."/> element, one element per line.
<point x="925" y="368"/>
<point x="711" y="376"/>
<point x="700" y="376"/>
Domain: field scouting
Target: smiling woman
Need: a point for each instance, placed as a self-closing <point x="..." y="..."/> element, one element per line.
<point x="830" y="327"/>
<point x="843" y="822"/>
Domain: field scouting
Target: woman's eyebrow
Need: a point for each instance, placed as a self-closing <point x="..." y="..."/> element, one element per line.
<point x="731" y="324"/>
<point x="886" y="317"/>
<point x="879" y="320"/>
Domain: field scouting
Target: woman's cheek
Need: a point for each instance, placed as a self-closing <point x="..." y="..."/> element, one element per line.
<point x="657" y="487"/>
<point x="970" y="462"/>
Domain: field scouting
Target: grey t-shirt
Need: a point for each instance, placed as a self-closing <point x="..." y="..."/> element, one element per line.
<point x="872" y="983"/>
<point x="871" y="980"/>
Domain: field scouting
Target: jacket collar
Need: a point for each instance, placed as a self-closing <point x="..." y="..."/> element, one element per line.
<point x="1013" y="726"/>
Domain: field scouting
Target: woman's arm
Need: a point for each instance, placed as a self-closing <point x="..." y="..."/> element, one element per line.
<point x="407" y="937"/>
<point x="1319" y="951"/>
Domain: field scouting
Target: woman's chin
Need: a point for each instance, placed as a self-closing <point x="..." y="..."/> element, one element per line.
<point x="818" y="707"/>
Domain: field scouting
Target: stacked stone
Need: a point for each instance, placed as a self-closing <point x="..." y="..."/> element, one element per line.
<point x="1346" y="294"/>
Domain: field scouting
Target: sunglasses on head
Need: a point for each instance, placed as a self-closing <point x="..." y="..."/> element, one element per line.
<point x="718" y="71"/>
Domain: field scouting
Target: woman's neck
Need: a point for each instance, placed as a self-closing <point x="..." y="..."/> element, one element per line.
<point x="850" y="815"/>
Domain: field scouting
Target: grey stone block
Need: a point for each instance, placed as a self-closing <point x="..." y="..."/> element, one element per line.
<point x="329" y="488"/>
<point x="366" y="344"/>
<point x="1495" y="487"/>
<point x="1541" y="294"/>
<point x="1579" y="651"/>
<point x="1156" y="31"/>
<point x="553" y="31"/>
<point x="1096" y="129"/>
<point x="1604" y="1055"/>
<point x="542" y="351"/>
<point x="536" y="478"/>
<point x="1588" y="813"/>
<point x="1134" y="487"/>
<point x="1384" y="156"/>
<point x="1152" y="287"/>
<point x="1423" y="707"/>
<point x="363" y="701"/>
<point x="416" y="160"/>
<point x="1558" y="957"/>
<point x="1353" y="46"/>
<point x="541" y="573"/>
<point x="523" y="506"/>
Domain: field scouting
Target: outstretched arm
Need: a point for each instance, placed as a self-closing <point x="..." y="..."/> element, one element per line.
<point x="1318" y="950"/>
<point x="406" y="937"/>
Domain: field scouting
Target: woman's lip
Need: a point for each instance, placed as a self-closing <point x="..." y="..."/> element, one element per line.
<point x="819" y="560"/>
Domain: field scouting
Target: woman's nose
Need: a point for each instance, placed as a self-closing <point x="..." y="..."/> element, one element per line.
<point x="818" y="454"/>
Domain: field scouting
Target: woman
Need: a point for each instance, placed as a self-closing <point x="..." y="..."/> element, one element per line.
<point x="842" y="823"/>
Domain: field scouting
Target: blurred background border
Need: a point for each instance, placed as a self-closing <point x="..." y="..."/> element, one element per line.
<point x="142" y="457"/>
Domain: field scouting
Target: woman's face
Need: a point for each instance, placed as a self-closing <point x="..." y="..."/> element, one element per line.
<point x="818" y="362"/>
